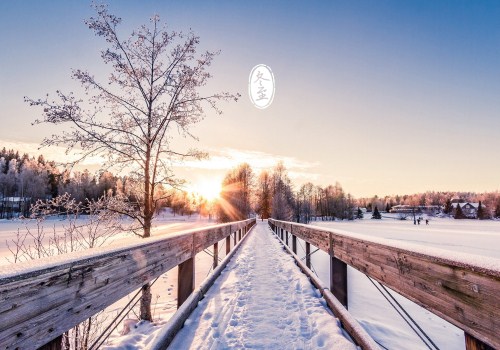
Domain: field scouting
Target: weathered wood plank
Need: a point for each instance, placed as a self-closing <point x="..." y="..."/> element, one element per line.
<point x="185" y="281"/>
<point x="465" y="294"/>
<point x="42" y="303"/>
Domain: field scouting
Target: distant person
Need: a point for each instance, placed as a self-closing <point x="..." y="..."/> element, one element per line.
<point x="427" y="221"/>
<point x="418" y="221"/>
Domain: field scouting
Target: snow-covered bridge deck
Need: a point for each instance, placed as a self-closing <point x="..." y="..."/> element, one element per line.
<point x="262" y="301"/>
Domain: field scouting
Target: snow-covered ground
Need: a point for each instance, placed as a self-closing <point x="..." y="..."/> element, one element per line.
<point x="163" y="224"/>
<point x="164" y="290"/>
<point x="365" y="303"/>
<point x="373" y="311"/>
<point x="262" y="301"/>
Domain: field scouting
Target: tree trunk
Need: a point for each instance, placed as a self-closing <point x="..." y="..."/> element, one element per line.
<point x="145" y="311"/>
<point x="145" y="308"/>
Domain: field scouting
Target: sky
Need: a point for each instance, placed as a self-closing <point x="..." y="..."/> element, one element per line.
<point x="385" y="97"/>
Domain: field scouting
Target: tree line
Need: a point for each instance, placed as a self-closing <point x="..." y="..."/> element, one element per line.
<point x="272" y="194"/>
<point x="490" y="201"/>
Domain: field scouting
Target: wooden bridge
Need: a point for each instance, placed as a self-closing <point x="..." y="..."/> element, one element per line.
<point x="39" y="303"/>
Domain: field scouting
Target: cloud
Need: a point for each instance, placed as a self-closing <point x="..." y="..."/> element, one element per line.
<point x="227" y="158"/>
<point x="220" y="160"/>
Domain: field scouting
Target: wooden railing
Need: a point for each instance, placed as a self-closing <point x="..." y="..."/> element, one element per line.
<point x="41" y="300"/>
<point x="463" y="290"/>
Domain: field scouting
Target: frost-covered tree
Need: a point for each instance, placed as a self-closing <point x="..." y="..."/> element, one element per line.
<point x="376" y="214"/>
<point x="497" y="210"/>
<point x="283" y="199"/>
<point x="152" y="92"/>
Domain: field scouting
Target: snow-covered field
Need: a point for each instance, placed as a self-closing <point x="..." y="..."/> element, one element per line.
<point x="373" y="311"/>
<point x="164" y="290"/>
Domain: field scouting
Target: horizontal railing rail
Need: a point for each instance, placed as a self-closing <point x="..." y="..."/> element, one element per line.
<point x="42" y="299"/>
<point x="463" y="289"/>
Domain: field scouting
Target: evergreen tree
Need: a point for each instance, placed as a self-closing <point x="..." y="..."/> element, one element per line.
<point x="481" y="213"/>
<point x="388" y="208"/>
<point x="369" y="208"/>
<point x="376" y="214"/>
<point x="459" y="214"/>
<point x="359" y="215"/>
<point x="448" y="208"/>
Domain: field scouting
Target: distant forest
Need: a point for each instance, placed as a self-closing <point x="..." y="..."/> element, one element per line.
<point x="269" y="194"/>
<point x="26" y="179"/>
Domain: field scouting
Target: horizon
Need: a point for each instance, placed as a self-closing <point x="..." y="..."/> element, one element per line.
<point x="383" y="98"/>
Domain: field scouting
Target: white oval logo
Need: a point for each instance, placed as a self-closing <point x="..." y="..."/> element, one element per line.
<point x="261" y="86"/>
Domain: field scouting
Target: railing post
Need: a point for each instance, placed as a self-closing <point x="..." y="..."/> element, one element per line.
<point x="234" y="237"/>
<point x="216" y="254"/>
<point x="239" y="234"/>
<point x="281" y="233"/>
<point x="55" y="344"/>
<point x="286" y="239"/>
<point x="294" y="244"/>
<point x="308" y="255"/>
<point x="338" y="276"/>
<point x="228" y="244"/>
<point x="471" y="343"/>
<point x="185" y="281"/>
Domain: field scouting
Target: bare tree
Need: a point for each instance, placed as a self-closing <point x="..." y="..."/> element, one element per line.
<point x="152" y="90"/>
<point x="263" y="195"/>
<point x="237" y="188"/>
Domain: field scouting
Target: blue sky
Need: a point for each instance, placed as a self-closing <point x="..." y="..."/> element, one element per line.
<point x="383" y="96"/>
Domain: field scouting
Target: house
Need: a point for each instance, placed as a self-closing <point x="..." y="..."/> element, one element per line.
<point x="410" y="209"/>
<point x="469" y="209"/>
<point x="13" y="206"/>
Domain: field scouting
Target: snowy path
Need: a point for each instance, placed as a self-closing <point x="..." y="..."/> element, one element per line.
<point x="262" y="301"/>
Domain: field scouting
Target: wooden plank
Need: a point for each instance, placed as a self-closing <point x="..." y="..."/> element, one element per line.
<point x="228" y="245"/>
<point x="55" y="344"/>
<point x="338" y="280"/>
<point x="294" y="244"/>
<point x="216" y="254"/>
<point x="185" y="281"/>
<point x="472" y="343"/>
<point x="466" y="295"/>
<point x="42" y="303"/>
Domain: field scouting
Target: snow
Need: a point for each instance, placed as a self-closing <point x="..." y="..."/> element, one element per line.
<point x="465" y="241"/>
<point x="446" y="238"/>
<point x="164" y="290"/>
<point x="262" y="300"/>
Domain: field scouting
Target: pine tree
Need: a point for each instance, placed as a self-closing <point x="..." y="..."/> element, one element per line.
<point x="448" y="208"/>
<point x="376" y="214"/>
<point x="359" y="215"/>
<point x="388" y="208"/>
<point x="369" y="208"/>
<point x="481" y="213"/>
<point x="459" y="214"/>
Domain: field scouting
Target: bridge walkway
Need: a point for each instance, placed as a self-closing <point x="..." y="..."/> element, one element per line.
<point x="262" y="301"/>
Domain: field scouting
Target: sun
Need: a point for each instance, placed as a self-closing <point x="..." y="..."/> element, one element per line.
<point x="208" y="188"/>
